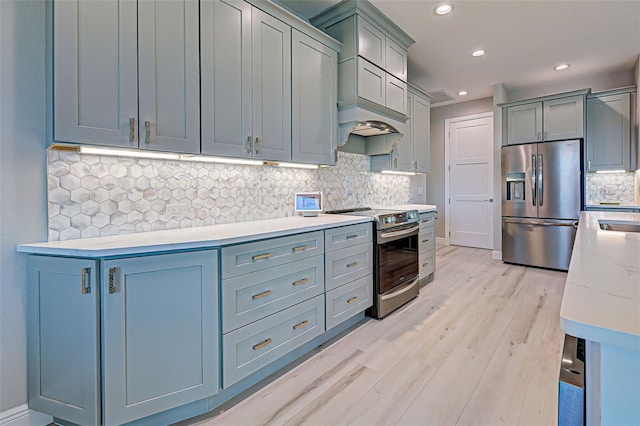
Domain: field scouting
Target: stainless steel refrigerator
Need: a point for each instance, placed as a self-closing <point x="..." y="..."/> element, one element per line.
<point x="541" y="202"/>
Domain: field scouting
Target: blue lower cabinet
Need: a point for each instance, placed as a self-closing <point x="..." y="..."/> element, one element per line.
<point x="249" y="348"/>
<point x="63" y="338"/>
<point x="160" y="333"/>
<point x="349" y="300"/>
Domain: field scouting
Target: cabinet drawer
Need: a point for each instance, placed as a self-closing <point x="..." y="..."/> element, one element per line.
<point x="347" y="236"/>
<point x="427" y="219"/>
<point x="427" y="263"/>
<point x="247" y="349"/>
<point x="252" y="257"/>
<point x="348" y="300"/>
<point x="348" y="264"/>
<point x="426" y="239"/>
<point x="250" y="297"/>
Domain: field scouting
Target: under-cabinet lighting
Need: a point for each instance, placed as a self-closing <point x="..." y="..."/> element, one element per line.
<point x="220" y="160"/>
<point x="395" y="172"/>
<point x="297" y="165"/>
<point x="127" y="153"/>
<point x="611" y="171"/>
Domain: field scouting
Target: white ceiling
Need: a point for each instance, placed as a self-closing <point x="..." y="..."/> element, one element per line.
<point x="524" y="40"/>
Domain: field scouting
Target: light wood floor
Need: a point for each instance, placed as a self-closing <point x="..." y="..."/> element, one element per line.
<point x="481" y="345"/>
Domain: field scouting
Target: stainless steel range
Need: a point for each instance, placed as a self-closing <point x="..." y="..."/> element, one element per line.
<point x="395" y="257"/>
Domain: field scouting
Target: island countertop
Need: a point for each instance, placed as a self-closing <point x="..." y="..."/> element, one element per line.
<point x="189" y="238"/>
<point x="601" y="301"/>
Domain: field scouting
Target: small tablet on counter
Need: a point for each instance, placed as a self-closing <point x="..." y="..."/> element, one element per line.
<point x="309" y="203"/>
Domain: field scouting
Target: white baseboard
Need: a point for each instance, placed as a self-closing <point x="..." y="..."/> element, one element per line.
<point x="441" y="240"/>
<point x="497" y="255"/>
<point x="23" y="416"/>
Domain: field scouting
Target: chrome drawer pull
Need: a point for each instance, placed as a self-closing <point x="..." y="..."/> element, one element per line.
<point x="262" y="344"/>
<point x="426" y="241"/>
<point x="147" y="132"/>
<point x="300" y="282"/>
<point x="353" y="299"/>
<point x="301" y="325"/>
<point x="351" y="265"/>
<point x="300" y="248"/>
<point x="86" y="280"/>
<point x="261" y="256"/>
<point x="132" y="129"/>
<point x="351" y="237"/>
<point x="112" y="280"/>
<point x="261" y="295"/>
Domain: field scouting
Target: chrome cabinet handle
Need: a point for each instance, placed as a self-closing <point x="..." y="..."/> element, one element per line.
<point x="112" y="280"/>
<point x="258" y="142"/>
<point x="147" y="132"/>
<point x="352" y="264"/>
<point x="132" y="129"/>
<point x="262" y="344"/>
<point x="301" y="325"/>
<point x="395" y="163"/>
<point x="261" y="295"/>
<point x="546" y="134"/>
<point x="261" y="256"/>
<point x="249" y="145"/>
<point x="589" y="165"/>
<point x="352" y="236"/>
<point x="86" y="280"/>
<point x="538" y="135"/>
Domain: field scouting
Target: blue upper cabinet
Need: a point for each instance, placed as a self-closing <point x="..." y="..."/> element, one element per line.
<point x="246" y="82"/>
<point x="126" y="73"/>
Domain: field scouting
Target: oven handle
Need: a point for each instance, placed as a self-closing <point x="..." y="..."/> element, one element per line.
<point x="405" y="288"/>
<point x="390" y="236"/>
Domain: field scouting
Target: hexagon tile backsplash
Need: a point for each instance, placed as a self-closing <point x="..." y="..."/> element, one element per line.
<point x="91" y="195"/>
<point x="610" y="188"/>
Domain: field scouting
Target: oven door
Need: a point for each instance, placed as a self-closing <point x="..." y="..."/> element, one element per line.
<point x="397" y="257"/>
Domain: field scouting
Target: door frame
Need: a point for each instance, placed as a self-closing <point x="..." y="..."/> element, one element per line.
<point x="447" y="168"/>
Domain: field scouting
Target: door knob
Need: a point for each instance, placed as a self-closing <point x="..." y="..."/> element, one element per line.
<point x="490" y="200"/>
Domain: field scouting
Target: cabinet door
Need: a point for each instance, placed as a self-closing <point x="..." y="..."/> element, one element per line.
<point x="396" y="60"/>
<point x="608" y="132"/>
<point x="524" y="123"/>
<point x="63" y="338"/>
<point x="563" y="118"/>
<point x="404" y="145"/>
<point x="95" y="74"/>
<point x="314" y="112"/>
<point x="271" y="57"/>
<point x="160" y="333"/>
<point x="169" y="75"/>
<point x="371" y="82"/>
<point x="371" y="42"/>
<point x="225" y="27"/>
<point x="420" y="129"/>
<point x="395" y="94"/>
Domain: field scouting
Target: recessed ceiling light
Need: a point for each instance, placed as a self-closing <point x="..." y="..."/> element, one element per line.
<point x="462" y="92"/>
<point x="561" y="67"/>
<point x="443" y="9"/>
<point x="478" y="52"/>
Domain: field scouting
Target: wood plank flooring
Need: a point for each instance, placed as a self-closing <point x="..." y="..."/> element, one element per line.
<point x="481" y="345"/>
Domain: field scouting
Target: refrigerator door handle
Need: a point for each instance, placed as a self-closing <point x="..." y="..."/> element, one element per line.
<point x="534" y="188"/>
<point x="540" y="181"/>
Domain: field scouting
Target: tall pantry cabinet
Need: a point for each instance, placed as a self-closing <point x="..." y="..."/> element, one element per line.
<point x="126" y="73"/>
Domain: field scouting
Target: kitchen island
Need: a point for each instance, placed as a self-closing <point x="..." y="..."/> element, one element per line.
<point x="601" y="304"/>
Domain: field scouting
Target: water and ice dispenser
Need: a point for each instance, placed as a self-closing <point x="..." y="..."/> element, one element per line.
<point x="515" y="186"/>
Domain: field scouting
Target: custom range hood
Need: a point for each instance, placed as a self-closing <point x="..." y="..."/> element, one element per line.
<point x="372" y="71"/>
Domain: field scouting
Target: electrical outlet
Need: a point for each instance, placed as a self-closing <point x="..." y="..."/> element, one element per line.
<point x="421" y="190"/>
<point x="175" y="210"/>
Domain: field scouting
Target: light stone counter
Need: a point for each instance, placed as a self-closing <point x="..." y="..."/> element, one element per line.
<point x="601" y="304"/>
<point x="189" y="238"/>
<point x="422" y="208"/>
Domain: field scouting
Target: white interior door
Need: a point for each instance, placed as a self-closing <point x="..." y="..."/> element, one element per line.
<point x="471" y="182"/>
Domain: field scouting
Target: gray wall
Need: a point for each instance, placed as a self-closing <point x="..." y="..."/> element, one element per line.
<point x="435" y="177"/>
<point x="22" y="179"/>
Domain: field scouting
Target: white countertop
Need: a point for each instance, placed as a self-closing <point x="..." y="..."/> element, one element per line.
<point x="422" y="208"/>
<point x="190" y="238"/>
<point x="601" y="299"/>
